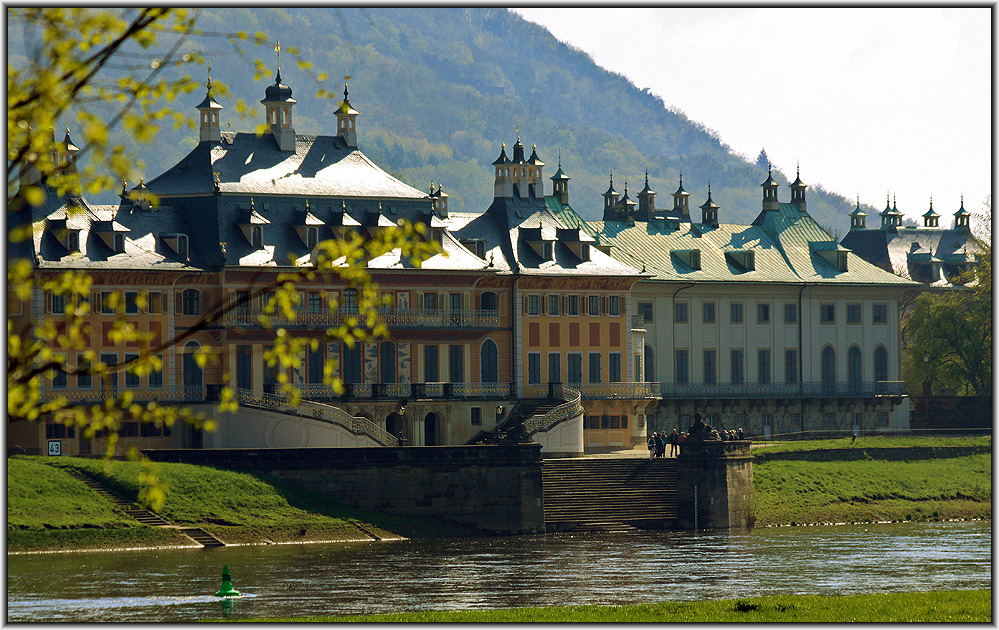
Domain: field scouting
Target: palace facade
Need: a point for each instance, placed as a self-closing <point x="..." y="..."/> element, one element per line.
<point x="589" y="334"/>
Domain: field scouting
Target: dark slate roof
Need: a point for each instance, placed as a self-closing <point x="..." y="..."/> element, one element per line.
<point x="894" y="250"/>
<point x="247" y="164"/>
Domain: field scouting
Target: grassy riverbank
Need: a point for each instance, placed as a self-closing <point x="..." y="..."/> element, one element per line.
<point x="942" y="607"/>
<point x="871" y="490"/>
<point x="47" y="509"/>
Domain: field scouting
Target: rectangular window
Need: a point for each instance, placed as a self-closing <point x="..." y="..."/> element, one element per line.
<point x="592" y="422"/>
<point x="682" y="367"/>
<point x="827" y="313"/>
<point x="738" y="371"/>
<point x="271" y="371"/>
<point x="796" y="422"/>
<point x="879" y="313"/>
<point x="131" y="302"/>
<point x="106" y="307"/>
<point x="111" y="381"/>
<point x="680" y="312"/>
<point x="593" y="302"/>
<point x="853" y="314"/>
<point x="61" y="378"/>
<point x="763" y="366"/>
<point x="708" y="312"/>
<point x="710" y="374"/>
<point x="554" y="367"/>
<point x="790" y="313"/>
<point x="476" y="419"/>
<point x="84" y="378"/>
<point x="594" y="367"/>
<point x="645" y="310"/>
<point x="431" y="366"/>
<point x="192" y="302"/>
<point x="614" y="367"/>
<point x="605" y="421"/>
<point x="456" y="363"/>
<point x="762" y="313"/>
<point x="156" y="376"/>
<point x="613" y="305"/>
<point x="790" y="365"/>
<point x="574" y="361"/>
<point x="58" y="304"/>
<point x="429" y="302"/>
<point x="736" y="313"/>
<point x="533" y="305"/>
<point x="131" y="378"/>
<point x="315" y="302"/>
<point x="882" y="418"/>
<point x="533" y="368"/>
<point x="315" y="364"/>
<point x="572" y="302"/>
<point x="553" y="302"/>
<point x="615" y="422"/>
<point x="154" y="302"/>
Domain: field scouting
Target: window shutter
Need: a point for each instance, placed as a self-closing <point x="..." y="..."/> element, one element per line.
<point x="525" y="304"/>
<point x="603" y="304"/>
<point x="178" y="302"/>
<point x="48" y="301"/>
<point x="565" y="304"/>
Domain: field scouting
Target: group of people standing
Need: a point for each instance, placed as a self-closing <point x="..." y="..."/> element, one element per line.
<point x="660" y="439"/>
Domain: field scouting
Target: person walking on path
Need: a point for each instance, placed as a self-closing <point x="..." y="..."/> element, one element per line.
<point x="674" y="442"/>
<point x="661" y="444"/>
<point x="652" y="445"/>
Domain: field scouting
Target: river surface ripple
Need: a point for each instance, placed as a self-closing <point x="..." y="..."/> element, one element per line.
<point x="454" y="574"/>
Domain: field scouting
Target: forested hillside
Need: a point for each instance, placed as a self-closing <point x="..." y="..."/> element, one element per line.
<point x="439" y="89"/>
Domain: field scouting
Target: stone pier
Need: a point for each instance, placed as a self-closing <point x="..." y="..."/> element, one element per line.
<point x="715" y="485"/>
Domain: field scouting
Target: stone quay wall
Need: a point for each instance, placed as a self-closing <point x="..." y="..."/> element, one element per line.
<point x="497" y="489"/>
<point x="716" y="485"/>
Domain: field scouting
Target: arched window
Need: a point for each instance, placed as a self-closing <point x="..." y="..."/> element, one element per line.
<point x="488" y="301"/>
<point x="854" y="365"/>
<point x="650" y="364"/>
<point x="193" y="376"/>
<point x="353" y="364"/>
<point x="880" y="364"/>
<point x="387" y="362"/>
<point x="828" y="369"/>
<point x="191" y="303"/>
<point x="490" y="362"/>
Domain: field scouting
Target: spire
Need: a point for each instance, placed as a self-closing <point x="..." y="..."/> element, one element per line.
<point x="208" y="112"/>
<point x="346" y="117"/>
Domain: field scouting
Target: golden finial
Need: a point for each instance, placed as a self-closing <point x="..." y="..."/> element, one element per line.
<point x="306" y="204"/>
<point x="518" y="132"/>
<point x="277" y="49"/>
<point x="251" y="202"/>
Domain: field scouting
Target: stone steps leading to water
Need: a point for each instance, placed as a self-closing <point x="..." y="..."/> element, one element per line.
<point x="606" y="494"/>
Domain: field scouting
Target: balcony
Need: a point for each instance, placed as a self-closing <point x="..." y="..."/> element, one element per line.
<point x="395" y="391"/>
<point x="393" y="317"/>
<point x="618" y="391"/>
<point x="638" y="322"/>
<point x="813" y="389"/>
<point x="184" y="393"/>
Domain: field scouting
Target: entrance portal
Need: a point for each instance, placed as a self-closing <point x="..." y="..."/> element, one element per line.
<point x="432" y="435"/>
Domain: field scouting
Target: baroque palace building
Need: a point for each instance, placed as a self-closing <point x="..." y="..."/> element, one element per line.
<point x="588" y="333"/>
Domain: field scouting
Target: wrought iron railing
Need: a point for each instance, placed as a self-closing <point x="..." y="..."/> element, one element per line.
<point x="572" y="407"/>
<point x="380" y="391"/>
<point x="637" y="321"/>
<point x="809" y="389"/>
<point x="413" y="317"/>
<point x="183" y="393"/>
<point x="629" y="391"/>
<point x="319" y="411"/>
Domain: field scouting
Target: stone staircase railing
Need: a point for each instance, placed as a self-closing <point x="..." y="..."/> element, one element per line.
<point x="320" y="411"/>
<point x="563" y="412"/>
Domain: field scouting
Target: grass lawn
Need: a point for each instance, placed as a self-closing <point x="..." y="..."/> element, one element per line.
<point x="874" y="441"/>
<point x="942" y="607"/>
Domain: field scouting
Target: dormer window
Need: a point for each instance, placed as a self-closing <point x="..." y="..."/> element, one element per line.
<point x="311" y="237"/>
<point x="182" y="245"/>
<point x="689" y="257"/>
<point x="477" y="246"/>
<point x="548" y="250"/>
<point x="584" y="251"/>
<point x="437" y="234"/>
<point x="73" y="240"/>
<point x="119" y="243"/>
<point x="178" y="243"/>
<point x="744" y="260"/>
<point x="256" y="236"/>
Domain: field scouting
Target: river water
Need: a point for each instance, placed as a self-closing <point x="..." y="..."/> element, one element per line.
<point x="550" y="570"/>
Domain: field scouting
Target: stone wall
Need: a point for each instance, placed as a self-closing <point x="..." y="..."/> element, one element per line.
<point x="715" y="489"/>
<point x="497" y="489"/>
<point x="951" y="412"/>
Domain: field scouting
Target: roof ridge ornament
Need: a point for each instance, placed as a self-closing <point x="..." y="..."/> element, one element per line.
<point x="346" y="77"/>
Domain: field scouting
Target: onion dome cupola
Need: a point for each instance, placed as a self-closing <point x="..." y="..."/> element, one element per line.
<point x="68" y="152"/>
<point x="610" y="202"/>
<point x="962" y="218"/>
<point x="681" y="201"/>
<point x="858" y="218"/>
<point x="208" y="113"/>
<point x="278" y="104"/>
<point x="346" y="118"/>
<point x="798" y="192"/>
<point x="646" y="201"/>
<point x="518" y="150"/>
<point x="439" y="200"/>
<point x="141" y="196"/>
<point x="931" y="218"/>
<point x="502" y="185"/>
<point x="560" y="184"/>
<point x="769" y="191"/>
<point x="535" y="169"/>
<point x="709" y="210"/>
<point x="626" y="206"/>
<point x="890" y="217"/>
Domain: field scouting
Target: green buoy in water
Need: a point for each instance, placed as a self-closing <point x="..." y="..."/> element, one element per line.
<point x="226" y="590"/>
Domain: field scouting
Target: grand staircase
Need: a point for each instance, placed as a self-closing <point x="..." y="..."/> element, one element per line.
<point x="609" y="493"/>
<point x="525" y="408"/>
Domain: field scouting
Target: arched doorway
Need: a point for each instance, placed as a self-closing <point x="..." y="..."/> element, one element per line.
<point x="387" y="362"/>
<point x="193" y="375"/>
<point x="854" y="368"/>
<point x="432" y="430"/>
<point x="489" y="362"/>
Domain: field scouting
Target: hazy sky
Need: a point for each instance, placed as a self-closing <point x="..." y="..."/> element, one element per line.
<point x="870" y="101"/>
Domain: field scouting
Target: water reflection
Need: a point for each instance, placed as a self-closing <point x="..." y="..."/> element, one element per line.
<point x="591" y="568"/>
